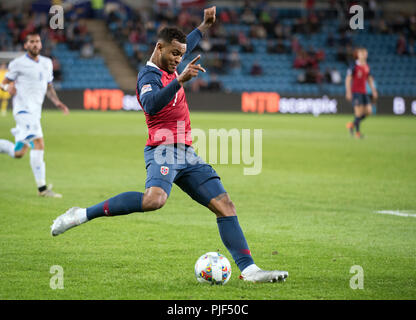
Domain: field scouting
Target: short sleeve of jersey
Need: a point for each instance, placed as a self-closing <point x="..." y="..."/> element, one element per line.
<point x="13" y="71"/>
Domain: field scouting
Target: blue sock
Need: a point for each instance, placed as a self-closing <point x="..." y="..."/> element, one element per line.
<point x="124" y="203"/>
<point x="357" y="121"/>
<point x="233" y="238"/>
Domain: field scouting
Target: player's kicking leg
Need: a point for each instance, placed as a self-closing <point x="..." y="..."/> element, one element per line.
<point x="233" y="238"/>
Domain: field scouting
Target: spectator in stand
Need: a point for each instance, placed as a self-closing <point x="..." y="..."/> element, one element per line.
<point x="233" y="38"/>
<point x="279" y="47"/>
<point x="216" y="63"/>
<point x="266" y="19"/>
<point x="311" y="75"/>
<point x="330" y="41"/>
<point x="345" y="54"/>
<point x="256" y="69"/>
<point x="56" y="68"/>
<point x="87" y="50"/>
<point x="412" y="26"/>
<point x="137" y="58"/>
<point x="234" y="60"/>
<point x="198" y="85"/>
<point x="205" y="45"/>
<point x="225" y="16"/>
<point x="401" y="45"/>
<point x="258" y="31"/>
<point x="309" y="5"/>
<point x="184" y="20"/>
<point x="245" y="43"/>
<point x="301" y="60"/>
<point x="313" y="24"/>
<point x="279" y="31"/>
<point x="333" y="76"/>
<point x="411" y="46"/>
<point x="295" y="45"/>
<point x="214" y="84"/>
<point x="248" y="17"/>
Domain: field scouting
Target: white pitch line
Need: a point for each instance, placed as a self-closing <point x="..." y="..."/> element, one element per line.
<point x="396" y="213"/>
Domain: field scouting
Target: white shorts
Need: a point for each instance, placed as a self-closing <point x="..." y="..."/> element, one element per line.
<point x="27" y="128"/>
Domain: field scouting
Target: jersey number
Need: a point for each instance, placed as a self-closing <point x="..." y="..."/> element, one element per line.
<point x="176" y="98"/>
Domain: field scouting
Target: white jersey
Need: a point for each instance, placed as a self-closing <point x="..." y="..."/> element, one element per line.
<point x="31" y="80"/>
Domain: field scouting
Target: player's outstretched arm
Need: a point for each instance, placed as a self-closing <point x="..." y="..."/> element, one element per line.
<point x="51" y="94"/>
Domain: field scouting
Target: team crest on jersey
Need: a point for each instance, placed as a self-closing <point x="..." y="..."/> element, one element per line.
<point x="164" y="170"/>
<point x="146" y="88"/>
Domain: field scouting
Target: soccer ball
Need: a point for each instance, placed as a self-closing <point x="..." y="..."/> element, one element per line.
<point x="213" y="268"/>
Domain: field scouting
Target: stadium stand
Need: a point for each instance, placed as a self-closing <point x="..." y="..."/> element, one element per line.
<point x="252" y="47"/>
<point x="296" y="52"/>
<point x="77" y="64"/>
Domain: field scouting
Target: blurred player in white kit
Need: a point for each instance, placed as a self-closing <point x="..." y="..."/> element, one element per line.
<point x="28" y="80"/>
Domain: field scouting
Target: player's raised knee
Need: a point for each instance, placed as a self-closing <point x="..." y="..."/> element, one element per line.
<point x="154" y="199"/>
<point x="222" y="206"/>
<point x="229" y="209"/>
<point x="156" y="203"/>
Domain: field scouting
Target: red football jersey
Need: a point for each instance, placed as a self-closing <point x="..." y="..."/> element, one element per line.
<point x="360" y="74"/>
<point x="172" y="123"/>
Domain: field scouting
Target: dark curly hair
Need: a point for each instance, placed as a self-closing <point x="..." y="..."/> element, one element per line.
<point x="169" y="34"/>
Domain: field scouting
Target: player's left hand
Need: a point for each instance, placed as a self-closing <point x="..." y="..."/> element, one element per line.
<point x="375" y="95"/>
<point x="63" y="107"/>
<point x="209" y="18"/>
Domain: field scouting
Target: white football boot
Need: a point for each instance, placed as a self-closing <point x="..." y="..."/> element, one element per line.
<point x="254" y="274"/>
<point x="71" y="218"/>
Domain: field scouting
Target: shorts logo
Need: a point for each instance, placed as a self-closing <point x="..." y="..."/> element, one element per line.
<point x="164" y="170"/>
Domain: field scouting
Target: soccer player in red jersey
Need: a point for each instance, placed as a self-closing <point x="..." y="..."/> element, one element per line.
<point x="356" y="92"/>
<point x="169" y="155"/>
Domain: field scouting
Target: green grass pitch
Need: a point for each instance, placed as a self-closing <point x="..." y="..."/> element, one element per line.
<point x="311" y="212"/>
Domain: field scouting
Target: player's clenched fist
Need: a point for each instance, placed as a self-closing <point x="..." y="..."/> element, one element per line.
<point x="209" y="19"/>
<point x="209" y="16"/>
<point x="190" y="71"/>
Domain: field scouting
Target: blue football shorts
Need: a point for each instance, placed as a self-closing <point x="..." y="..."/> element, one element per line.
<point x="179" y="164"/>
<point x="360" y="99"/>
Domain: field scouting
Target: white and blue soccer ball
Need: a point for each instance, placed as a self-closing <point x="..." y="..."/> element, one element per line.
<point x="213" y="268"/>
